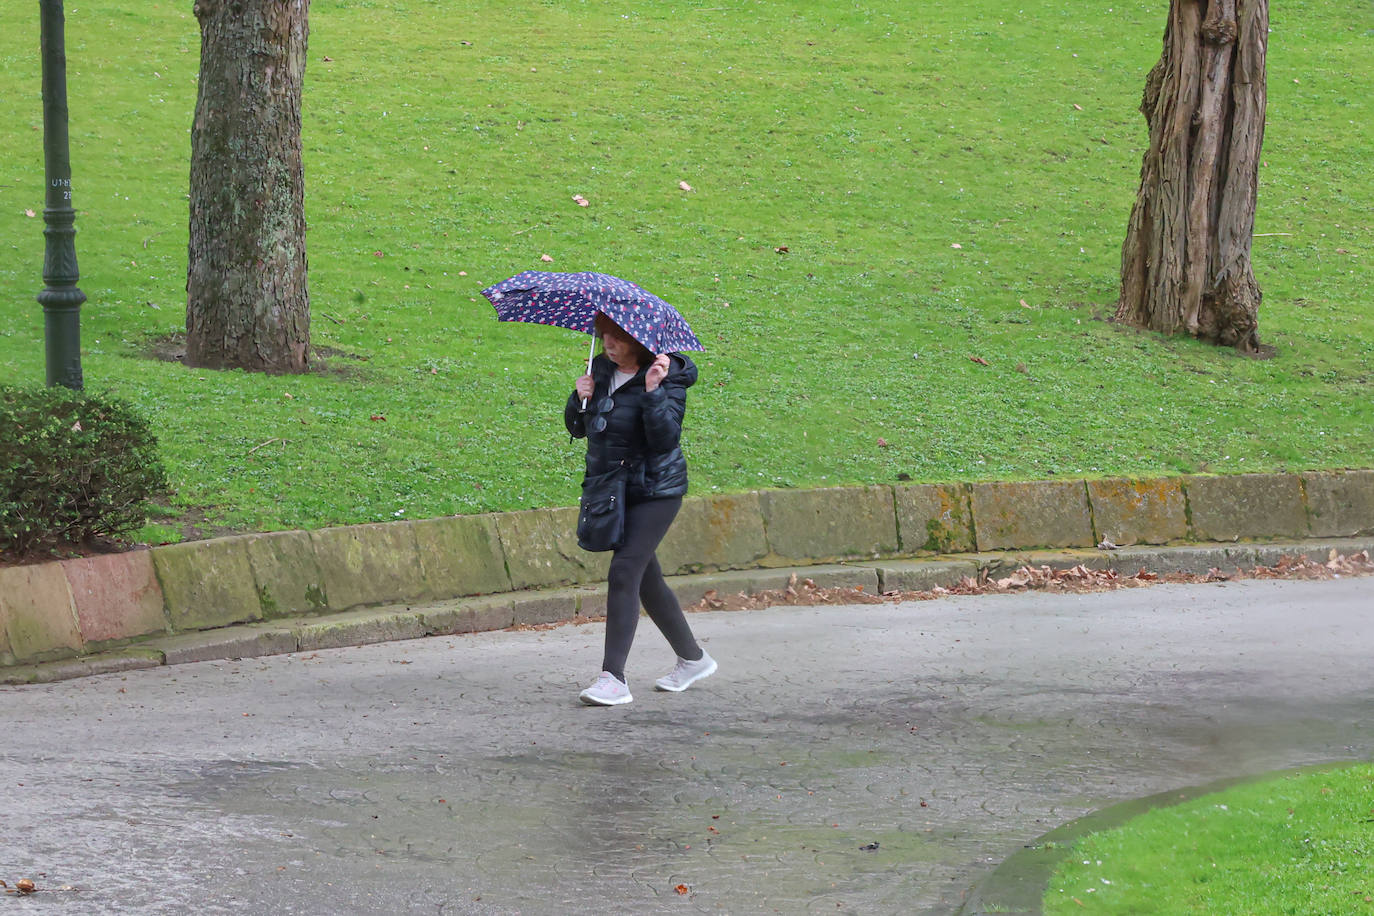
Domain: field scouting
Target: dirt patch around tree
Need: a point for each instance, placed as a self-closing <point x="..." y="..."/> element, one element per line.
<point x="329" y="361"/>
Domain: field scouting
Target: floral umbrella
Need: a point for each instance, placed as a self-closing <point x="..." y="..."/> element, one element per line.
<point x="571" y="300"/>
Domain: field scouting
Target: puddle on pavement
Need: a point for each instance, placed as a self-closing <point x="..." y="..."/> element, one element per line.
<point x="772" y="814"/>
<point x="763" y="827"/>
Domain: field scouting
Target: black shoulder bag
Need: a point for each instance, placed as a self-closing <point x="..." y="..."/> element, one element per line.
<point x="601" y="516"/>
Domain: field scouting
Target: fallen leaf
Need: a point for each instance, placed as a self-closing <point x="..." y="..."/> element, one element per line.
<point x="1077" y="107"/>
<point x="30" y="213"/>
<point x="681" y="889"/>
<point x="1020" y="579"/>
<point x="782" y="249"/>
<point x="379" y="254"/>
<point x="76" y="427"/>
<point x="377" y="416"/>
<point x="581" y="201"/>
<point x="882" y="443"/>
<point x="546" y="258"/>
<point x="980" y="361"/>
<point x="25" y="886"/>
<point x="1025" y="304"/>
<point x="684" y="185"/>
<point x="956" y="245"/>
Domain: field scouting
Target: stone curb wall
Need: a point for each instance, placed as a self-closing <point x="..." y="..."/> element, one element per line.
<point x="279" y="581"/>
<point x="564" y="605"/>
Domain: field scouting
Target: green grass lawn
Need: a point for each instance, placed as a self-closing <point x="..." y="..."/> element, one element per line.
<point x="950" y="180"/>
<point x="1301" y="844"/>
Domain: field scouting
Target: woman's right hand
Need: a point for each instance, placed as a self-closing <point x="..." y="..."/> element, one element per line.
<point x="585" y="386"/>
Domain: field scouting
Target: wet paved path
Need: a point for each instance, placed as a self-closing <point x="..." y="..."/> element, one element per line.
<point x="460" y="775"/>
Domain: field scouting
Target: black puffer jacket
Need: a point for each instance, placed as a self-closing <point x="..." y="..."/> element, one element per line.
<point x="642" y="427"/>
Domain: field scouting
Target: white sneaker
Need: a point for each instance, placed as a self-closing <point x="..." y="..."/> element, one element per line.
<point x="608" y="690"/>
<point x="685" y="673"/>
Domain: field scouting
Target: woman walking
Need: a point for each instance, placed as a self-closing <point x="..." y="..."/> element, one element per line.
<point x="635" y="405"/>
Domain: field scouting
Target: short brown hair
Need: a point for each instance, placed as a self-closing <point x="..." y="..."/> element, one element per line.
<point x="604" y="325"/>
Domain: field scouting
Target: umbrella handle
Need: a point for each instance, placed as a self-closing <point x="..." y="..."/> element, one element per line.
<point x="591" y="355"/>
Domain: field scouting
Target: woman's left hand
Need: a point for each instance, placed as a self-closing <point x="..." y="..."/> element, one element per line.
<point x="658" y="370"/>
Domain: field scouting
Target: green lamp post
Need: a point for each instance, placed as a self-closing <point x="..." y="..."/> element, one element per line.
<point x="60" y="298"/>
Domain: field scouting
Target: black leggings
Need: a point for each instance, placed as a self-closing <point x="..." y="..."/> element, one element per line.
<point x="636" y="577"/>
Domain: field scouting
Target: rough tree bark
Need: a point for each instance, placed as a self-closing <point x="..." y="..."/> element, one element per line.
<point x="247" y="305"/>
<point x="1185" y="264"/>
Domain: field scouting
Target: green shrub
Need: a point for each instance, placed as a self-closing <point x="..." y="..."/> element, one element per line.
<point x="74" y="468"/>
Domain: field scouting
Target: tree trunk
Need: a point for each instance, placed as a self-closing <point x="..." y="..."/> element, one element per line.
<point x="1185" y="264"/>
<point x="247" y="305"/>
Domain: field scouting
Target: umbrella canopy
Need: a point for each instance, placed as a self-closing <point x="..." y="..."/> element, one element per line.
<point x="571" y="300"/>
